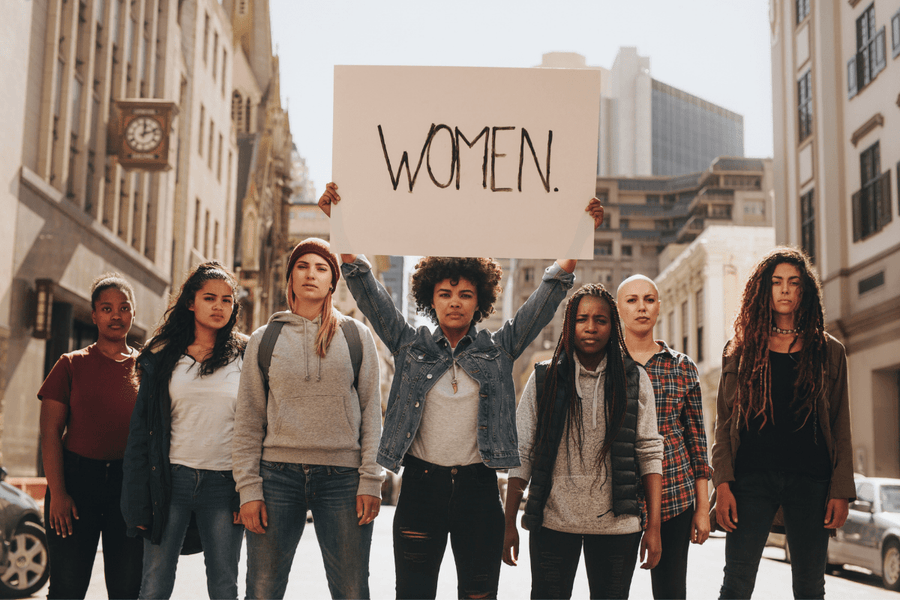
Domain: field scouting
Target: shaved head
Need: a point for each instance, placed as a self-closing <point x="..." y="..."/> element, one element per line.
<point x="637" y="277"/>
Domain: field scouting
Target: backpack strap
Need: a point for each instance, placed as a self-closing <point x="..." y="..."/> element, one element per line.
<point x="540" y="378"/>
<point x="351" y="334"/>
<point x="266" y="346"/>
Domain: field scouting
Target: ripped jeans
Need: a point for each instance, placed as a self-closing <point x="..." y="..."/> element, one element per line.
<point x="435" y="501"/>
<point x="608" y="559"/>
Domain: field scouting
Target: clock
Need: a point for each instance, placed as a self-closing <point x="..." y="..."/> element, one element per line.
<point x="143" y="134"/>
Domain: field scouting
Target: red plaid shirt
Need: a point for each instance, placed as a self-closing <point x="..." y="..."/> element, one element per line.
<point x="679" y="415"/>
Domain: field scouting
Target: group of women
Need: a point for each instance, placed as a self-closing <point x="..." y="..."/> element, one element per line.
<point x="204" y="434"/>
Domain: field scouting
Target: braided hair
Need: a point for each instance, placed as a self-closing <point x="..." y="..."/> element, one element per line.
<point x="751" y="340"/>
<point x="563" y="366"/>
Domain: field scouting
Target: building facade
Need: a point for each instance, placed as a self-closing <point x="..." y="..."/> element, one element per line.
<point x="648" y="221"/>
<point x="835" y="68"/>
<point x="72" y="210"/>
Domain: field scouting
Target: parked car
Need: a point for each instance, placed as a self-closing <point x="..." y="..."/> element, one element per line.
<point x="24" y="563"/>
<point x="871" y="536"/>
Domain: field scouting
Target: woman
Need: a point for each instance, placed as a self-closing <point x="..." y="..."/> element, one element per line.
<point x="588" y="440"/>
<point x="679" y="414"/>
<point x="782" y="427"/>
<point x="306" y="434"/>
<point x="87" y="401"/>
<point x="450" y="413"/>
<point x="178" y="460"/>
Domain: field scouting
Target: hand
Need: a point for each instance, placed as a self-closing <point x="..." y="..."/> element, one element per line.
<point x="836" y="513"/>
<point x="329" y="197"/>
<point x="254" y="516"/>
<point x="236" y="518"/>
<point x="142" y="527"/>
<point x="367" y="508"/>
<point x="651" y="546"/>
<point x="726" y="507"/>
<point x="511" y="545"/>
<point x="62" y="511"/>
<point x="700" y="526"/>
<point x="594" y="208"/>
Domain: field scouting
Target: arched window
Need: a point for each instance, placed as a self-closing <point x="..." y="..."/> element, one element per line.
<point x="249" y="122"/>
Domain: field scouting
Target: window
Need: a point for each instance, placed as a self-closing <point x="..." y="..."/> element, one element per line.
<point x="219" y="160"/>
<point x="804" y="106"/>
<point x="206" y="235"/>
<point x="670" y="322"/>
<point x="869" y="59"/>
<point x="603" y="249"/>
<point x="212" y="138"/>
<point x="808" y="224"/>
<point x="755" y="207"/>
<point x="200" y="136"/>
<point x="237" y="113"/>
<point x="872" y="203"/>
<point x="802" y="10"/>
<point x="197" y="224"/>
<point x="528" y="274"/>
<point x="623" y="223"/>
<point x="652" y="199"/>
<point x="205" y="38"/>
<point x="895" y="33"/>
<point x="626" y="250"/>
<point x="215" y="54"/>
<point x="684" y="327"/>
<point x="224" y="69"/>
<point x="698" y="298"/>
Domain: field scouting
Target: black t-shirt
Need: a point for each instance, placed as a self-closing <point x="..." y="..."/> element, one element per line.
<point x="785" y="442"/>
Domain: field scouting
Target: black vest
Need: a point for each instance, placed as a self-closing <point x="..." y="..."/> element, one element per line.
<point x="626" y="480"/>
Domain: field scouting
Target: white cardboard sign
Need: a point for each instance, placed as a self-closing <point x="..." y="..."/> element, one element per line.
<point x="465" y="161"/>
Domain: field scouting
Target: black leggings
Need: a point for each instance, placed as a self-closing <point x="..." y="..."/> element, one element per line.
<point x="670" y="575"/>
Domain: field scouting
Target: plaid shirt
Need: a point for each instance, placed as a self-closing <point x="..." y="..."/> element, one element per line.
<point x="679" y="415"/>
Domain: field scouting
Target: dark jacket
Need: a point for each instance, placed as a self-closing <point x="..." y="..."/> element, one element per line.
<point x="626" y="479"/>
<point x="147" y="481"/>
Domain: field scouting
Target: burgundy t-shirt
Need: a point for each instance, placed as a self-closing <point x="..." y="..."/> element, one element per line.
<point x="100" y="393"/>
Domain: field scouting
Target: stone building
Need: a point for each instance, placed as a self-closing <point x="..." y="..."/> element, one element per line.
<point x="650" y="220"/>
<point x="835" y="74"/>
<point x="72" y="210"/>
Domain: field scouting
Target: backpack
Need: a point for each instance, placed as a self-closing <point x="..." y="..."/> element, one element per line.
<point x="270" y="336"/>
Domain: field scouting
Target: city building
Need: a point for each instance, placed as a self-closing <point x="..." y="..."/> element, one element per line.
<point x="835" y="69"/>
<point x="266" y="155"/>
<point x="700" y="294"/>
<point x="649" y="221"/>
<point x="74" y="75"/>
<point x="650" y="128"/>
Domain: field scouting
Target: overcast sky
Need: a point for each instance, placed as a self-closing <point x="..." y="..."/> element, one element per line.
<point x="718" y="50"/>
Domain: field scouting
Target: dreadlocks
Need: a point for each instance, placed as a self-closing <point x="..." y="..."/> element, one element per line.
<point x="563" y="365"/>
<point x="751" y="340"/>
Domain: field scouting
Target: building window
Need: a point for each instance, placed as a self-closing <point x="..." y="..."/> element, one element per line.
<point x="219" y="160"/>
<point x="626" y="250"/>
<point x="808" y="224"/>
<point x="670" y="322"/>
<point x="623" y="224"/>
<point x="804" y="106"/>
<point x="237" y="114"/>
<point x="197" y="225"/>
<point x="603" y="249"/>
<point x="528" y="274"/>
<point x="869" y="59"/>
<point x="872" y="203"/>
<point x="224" y="69"/>
<point x="200" y="136"/>
<point x="205" y="38"/>
<point x="212" y="138"/>
<point x="215" y="54"/>
<point x="699" y="310"/>
<point x="895" y="33"/>
<point x="684" y="327"/>
<point x="802" y="10"/>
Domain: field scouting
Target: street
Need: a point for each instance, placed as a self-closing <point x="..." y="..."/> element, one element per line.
<point x="704" y="573"/>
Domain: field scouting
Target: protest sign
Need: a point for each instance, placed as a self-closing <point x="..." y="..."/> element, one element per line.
<point x="455" y="161"/>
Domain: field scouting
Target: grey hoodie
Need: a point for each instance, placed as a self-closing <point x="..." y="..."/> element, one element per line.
<point x="313" y="415"/>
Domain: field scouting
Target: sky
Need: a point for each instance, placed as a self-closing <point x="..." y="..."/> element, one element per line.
<point x="718" y="50"/>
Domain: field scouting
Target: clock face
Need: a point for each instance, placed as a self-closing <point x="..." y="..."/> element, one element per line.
<point x="143" y="134"/>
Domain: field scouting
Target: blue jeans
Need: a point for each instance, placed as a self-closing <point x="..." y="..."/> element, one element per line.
<point x="758" y="495"/>
<point x="289" y="491"/>
<point x="211" y="496"/>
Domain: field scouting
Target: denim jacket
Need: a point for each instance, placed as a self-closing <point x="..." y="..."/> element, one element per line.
<point x="422" y="357"/>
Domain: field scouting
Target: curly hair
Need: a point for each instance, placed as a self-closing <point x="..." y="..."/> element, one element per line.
<point x="108" y="281"/>
<point x="563" y="365"/>
<point x="176" y="332"/>
<point x="483" y="273"/>
<point x="751" y="340"/>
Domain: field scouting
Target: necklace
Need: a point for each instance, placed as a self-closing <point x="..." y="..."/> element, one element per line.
<point x="777" y="329"/>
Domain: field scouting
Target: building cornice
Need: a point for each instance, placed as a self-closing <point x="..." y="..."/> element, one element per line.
<point x="877" y="120"/>
<point x="847" y="271"/>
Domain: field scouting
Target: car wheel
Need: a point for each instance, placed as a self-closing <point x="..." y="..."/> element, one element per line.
<point x="890" y="565"/>
<point x="28" y="566"/>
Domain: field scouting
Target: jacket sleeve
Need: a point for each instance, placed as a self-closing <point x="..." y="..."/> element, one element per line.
<point x="536" y="313"/>
<point x="369" y="390"/>
<point x="722" y="459"/>
<point x="375" y="302"/>
<point x="250" y="420"/>
<point x="526" y="425"/>
<point x="136" y="503"/>
<point x="842" y="485"/>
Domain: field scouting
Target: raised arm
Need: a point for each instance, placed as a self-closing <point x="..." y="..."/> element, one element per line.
<point x="378" y="306"/>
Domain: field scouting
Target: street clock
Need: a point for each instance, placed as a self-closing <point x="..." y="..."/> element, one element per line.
<point x="139" y="133"/>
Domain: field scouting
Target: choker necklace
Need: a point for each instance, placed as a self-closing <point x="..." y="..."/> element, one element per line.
<point x="777" y="329"/>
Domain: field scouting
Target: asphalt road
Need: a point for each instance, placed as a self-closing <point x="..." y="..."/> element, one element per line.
<point x="704" y="574"/>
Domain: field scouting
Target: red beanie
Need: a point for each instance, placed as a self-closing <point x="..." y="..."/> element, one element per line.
<point x="319" y="247"/>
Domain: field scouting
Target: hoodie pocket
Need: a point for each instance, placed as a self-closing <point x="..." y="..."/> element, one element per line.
<point x="323" y="422"/>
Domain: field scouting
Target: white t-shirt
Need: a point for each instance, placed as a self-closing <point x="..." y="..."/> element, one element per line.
<point x="203" y="414"/>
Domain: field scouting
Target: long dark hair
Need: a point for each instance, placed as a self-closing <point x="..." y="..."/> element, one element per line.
<point x="176" y="332"/>
<point x="751" y="340"/>
<point x="563" y="366"/>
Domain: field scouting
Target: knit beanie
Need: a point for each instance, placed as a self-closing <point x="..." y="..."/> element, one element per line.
<point x="319" y="247"/>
